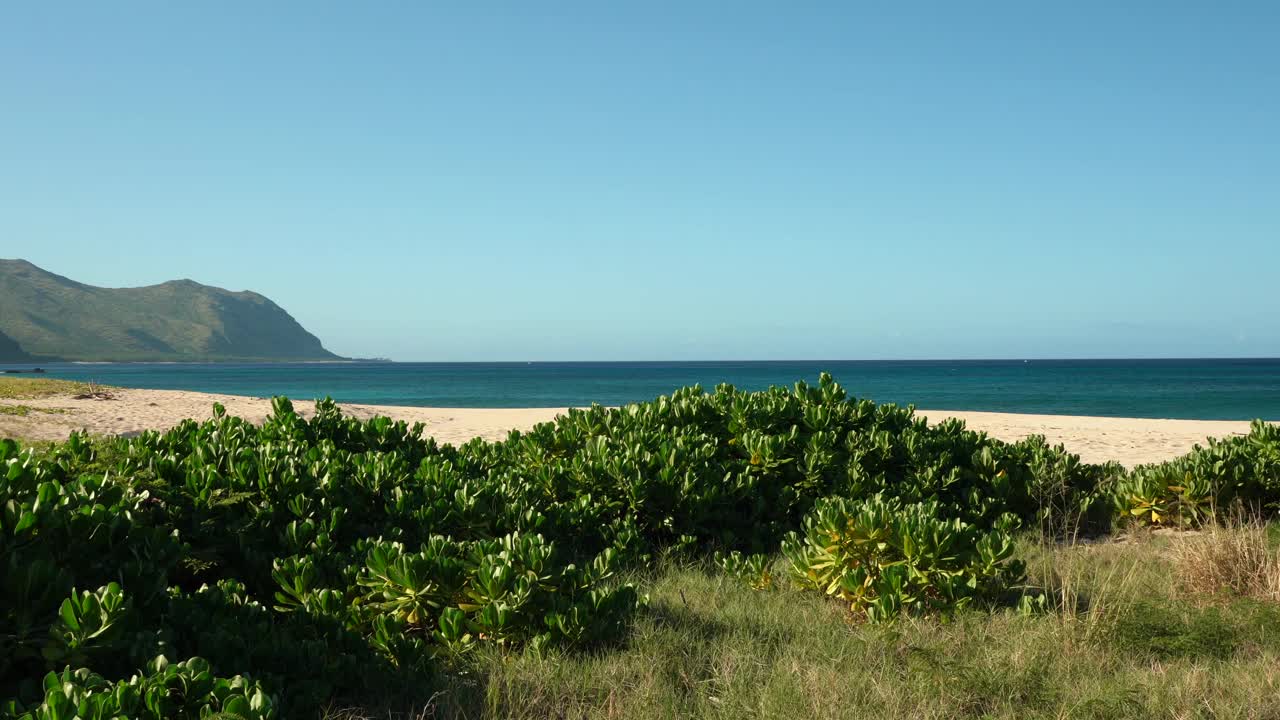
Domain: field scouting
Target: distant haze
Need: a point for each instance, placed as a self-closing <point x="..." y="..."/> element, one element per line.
<point x="666" y="180"/>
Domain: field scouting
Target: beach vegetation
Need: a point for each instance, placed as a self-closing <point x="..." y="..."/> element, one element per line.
<point x="1227" y="477"/>
<point x="697" y="544"/>
<point x="22" y="388"/>
<point x="884" y="558"/>
<point x="1219" y="563"/>
<point x="27" y="410"/>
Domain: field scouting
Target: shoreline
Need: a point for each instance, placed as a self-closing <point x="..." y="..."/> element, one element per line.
<point x="1130" y="441"/>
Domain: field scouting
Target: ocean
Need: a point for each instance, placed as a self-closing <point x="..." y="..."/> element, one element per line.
<point x="1194" y="389"/>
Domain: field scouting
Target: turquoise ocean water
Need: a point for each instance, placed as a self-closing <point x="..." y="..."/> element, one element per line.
<point x="1204" y="389"/>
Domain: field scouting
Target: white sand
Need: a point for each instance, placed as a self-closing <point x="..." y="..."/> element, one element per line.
<point x="1130" y="441"/>
<point x="135" y="410"/>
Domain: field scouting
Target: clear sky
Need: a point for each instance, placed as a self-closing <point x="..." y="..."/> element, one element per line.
<point x="666" y="180"/>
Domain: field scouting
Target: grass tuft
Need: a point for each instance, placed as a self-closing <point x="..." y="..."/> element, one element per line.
<point x="1228" y="561"/>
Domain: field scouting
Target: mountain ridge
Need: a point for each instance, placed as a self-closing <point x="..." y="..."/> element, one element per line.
<point x="46" y="316"/>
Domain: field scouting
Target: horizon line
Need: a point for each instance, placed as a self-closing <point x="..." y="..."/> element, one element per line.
<point x="380" y="361"/>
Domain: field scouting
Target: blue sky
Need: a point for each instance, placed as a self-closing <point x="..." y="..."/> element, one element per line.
<point x="535" y="181"/>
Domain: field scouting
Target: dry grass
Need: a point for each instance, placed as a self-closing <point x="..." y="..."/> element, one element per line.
<point x="1228" y="561"/>
<point x="1086" y="583"/>
<point x="1118" y="641"/>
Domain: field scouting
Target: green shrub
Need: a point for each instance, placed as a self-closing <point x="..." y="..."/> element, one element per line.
<point x="1229" y="476"/>
<point x="751" y="570"/>
<point x="884" y="558"/>
<point x="333" y="556"/>
<point x="168" y="690"/>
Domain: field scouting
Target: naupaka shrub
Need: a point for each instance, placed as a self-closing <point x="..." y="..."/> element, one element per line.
<point x="318" y="559"/>
<point x="1227" y="477"/>
<point x="884" y="557"/>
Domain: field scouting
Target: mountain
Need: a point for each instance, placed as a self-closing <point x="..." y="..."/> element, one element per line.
<point x="10" y="351"/>
<point x="44" y="316"/>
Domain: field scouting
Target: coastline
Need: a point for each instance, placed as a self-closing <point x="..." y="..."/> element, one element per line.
<point x="1130" y="441"/>
<point x="1219" y="389"/>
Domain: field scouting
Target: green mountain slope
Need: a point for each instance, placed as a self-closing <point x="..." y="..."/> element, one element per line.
<point x="50" y="316"/>
<point x="10" y="351"/>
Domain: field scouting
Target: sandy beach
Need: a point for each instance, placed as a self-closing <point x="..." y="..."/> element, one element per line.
<point x="1130" y="441"/>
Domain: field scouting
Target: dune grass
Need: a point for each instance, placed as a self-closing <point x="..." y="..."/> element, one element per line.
<point x="25" y="410"/>
<point x="23" y="388"/>
<point x="1131" y="630"/>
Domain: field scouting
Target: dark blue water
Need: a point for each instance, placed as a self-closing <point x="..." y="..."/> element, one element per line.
<point x="1205" y="389"/>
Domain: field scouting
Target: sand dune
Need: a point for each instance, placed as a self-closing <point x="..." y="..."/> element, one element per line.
<point x="1130" y="441"/>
